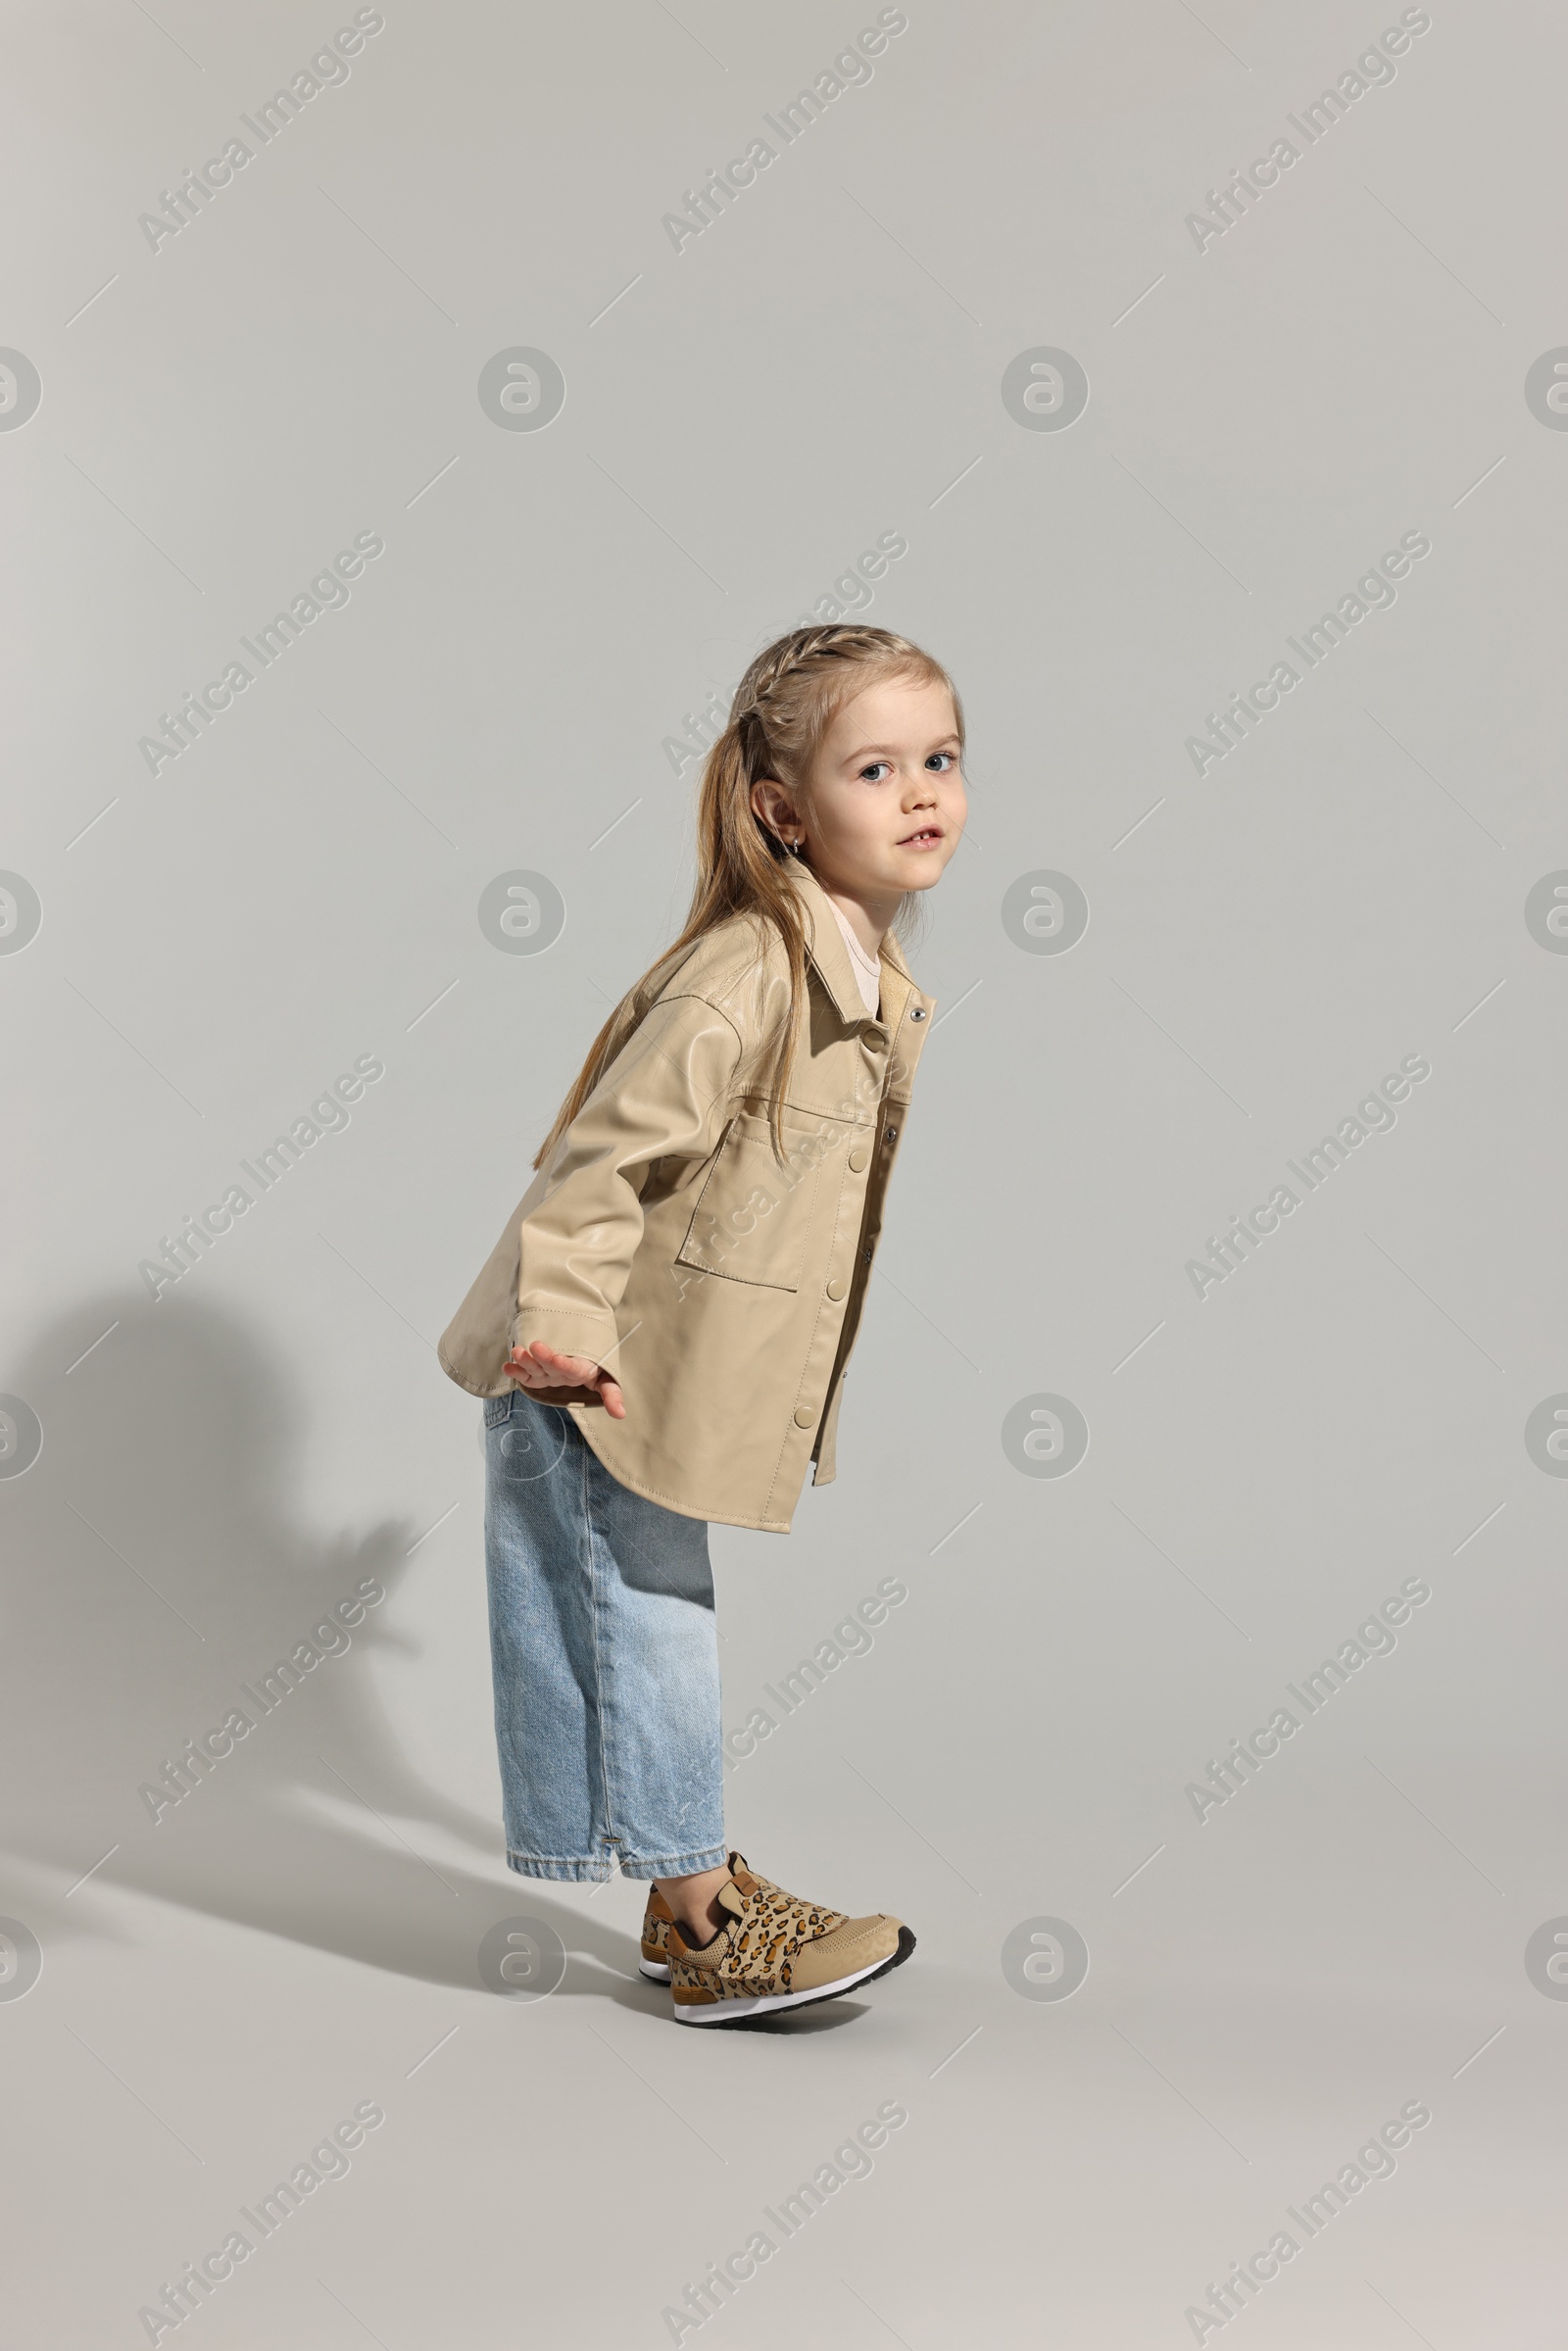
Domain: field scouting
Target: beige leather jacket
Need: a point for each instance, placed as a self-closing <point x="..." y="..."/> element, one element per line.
<point x="664" y="1240"/>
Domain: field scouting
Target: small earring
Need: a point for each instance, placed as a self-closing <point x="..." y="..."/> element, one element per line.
<point x="796" y="848"/>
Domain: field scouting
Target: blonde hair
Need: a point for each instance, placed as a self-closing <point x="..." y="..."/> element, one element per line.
<point x="783" y="706"/>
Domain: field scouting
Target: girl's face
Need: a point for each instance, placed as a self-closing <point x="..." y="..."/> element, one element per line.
<point x="885" y="803"/>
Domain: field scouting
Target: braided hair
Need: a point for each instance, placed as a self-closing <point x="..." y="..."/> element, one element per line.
<point x="783" y="706"/>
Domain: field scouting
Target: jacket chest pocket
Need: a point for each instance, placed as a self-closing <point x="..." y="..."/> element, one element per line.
<point x="754" y="1212"/>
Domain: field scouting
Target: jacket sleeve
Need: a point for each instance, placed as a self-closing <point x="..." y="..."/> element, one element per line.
<point x="666" y="1094"/>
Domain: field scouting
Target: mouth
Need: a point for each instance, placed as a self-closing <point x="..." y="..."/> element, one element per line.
<point x="926" y="838"/>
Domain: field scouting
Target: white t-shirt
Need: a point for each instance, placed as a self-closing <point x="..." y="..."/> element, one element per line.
<point x="867" y="968"/>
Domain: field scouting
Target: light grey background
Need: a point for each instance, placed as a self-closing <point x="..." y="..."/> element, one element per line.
<point x="1265" y="1465"/>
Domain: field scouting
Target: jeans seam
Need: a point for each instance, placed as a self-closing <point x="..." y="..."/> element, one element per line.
<point x="708" y="1857"/>
<point x="610" y="1807"/>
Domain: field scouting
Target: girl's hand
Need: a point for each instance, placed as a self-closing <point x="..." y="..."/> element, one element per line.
<point x="558" y="1379"/>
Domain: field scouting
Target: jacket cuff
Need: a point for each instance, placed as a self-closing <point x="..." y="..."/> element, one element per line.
<point x="570" y="1334"/>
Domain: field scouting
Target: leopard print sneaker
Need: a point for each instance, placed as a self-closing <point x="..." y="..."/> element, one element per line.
<point x="774" y="1952"/>
<point x="658" y="1920"/>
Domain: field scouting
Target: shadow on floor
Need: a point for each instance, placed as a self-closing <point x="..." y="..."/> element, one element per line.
<point x="154" y="1574"/>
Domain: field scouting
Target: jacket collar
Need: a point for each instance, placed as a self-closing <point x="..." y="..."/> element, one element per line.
<point x="827" y="950"/>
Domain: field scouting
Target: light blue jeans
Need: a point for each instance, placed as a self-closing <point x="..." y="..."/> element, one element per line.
<point x="605" y="1651"/>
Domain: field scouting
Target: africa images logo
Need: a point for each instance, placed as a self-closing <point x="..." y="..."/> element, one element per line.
<point x="328" y="592"/>
<point x="1374" y="592"/>
<point x="1374" y="1114"/>
<point x="850" y="69"/>
<point x="327" y="69"/>
<point x="1374" y="68"/>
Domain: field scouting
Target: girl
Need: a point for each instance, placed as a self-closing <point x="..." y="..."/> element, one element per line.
<point x="661" y="1331"/>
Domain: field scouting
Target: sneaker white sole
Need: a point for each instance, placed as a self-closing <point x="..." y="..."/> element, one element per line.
<point x="734" y="2012"/>
<point x="655" y="1970"/>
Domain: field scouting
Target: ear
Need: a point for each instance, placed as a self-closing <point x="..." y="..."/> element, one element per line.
<point x="772" y="802"/>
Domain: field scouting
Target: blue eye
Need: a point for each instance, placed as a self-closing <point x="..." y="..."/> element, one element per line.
<point x="950" y="759"/>
<point x="870" y="773"/>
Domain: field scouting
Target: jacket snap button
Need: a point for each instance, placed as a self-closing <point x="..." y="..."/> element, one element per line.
<point x="918" y="1012"/>
<point x="837" y="1289"/>
<point x="891" y="1135"/>
<point x="856" y="1160"/>
<point x="804" y="1416"/>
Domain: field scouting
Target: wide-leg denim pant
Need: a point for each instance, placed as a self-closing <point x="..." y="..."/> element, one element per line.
<point x="604" y="1651"/>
